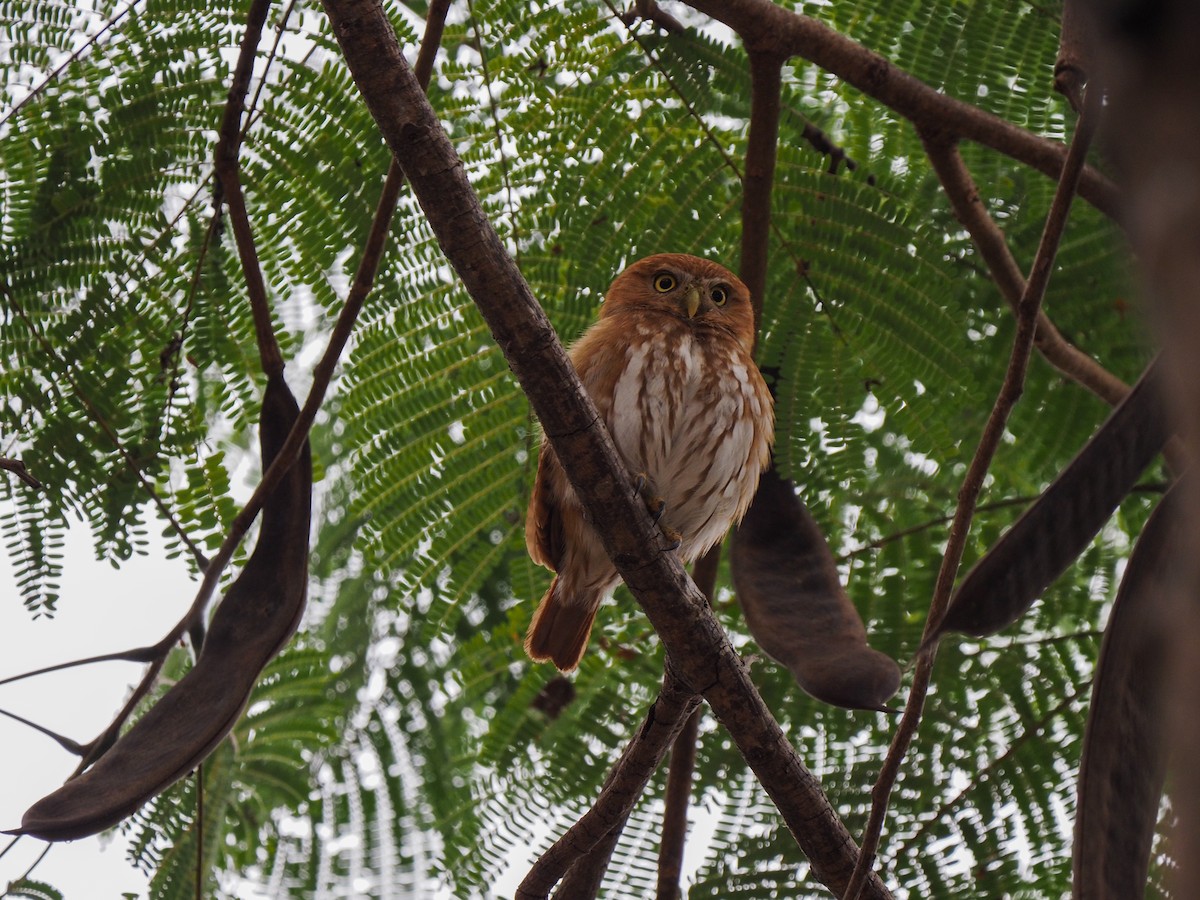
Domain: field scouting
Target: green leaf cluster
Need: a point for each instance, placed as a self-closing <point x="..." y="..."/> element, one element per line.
<point x="409" y="744"/>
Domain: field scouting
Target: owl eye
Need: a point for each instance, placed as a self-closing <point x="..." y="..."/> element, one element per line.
<point x="719" y="296"/>
<point x="663" y="282"/>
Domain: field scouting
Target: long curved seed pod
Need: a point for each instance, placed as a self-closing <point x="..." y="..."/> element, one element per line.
<point x="1052" y="533"/>
<point x="788" y="586"/>
<point x="1123" y="766"/>
<point x="256" y="618"/>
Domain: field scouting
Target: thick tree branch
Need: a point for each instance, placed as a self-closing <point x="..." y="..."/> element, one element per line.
<point x="774" y="30"/>
<point x="697" y="646"/>
<point x="1010" y="393"/>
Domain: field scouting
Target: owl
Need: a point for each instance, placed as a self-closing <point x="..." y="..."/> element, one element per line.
<point x="669" y="367"/>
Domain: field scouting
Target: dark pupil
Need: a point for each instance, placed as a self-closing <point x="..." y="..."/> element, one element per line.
<point x="665" y="282"/>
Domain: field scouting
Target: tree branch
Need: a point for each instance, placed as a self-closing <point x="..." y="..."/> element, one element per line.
<point x="229" y="187"/>
<point x="322" y="375"/>
<point x="18" y="468"/>
<point x="698" y="648"/>
<point x="1010" y="393"/>
<point x="675" y="816"/>
<point x="969" y="210"/>
<point x="772" y="29"/>
<point x="586" y="873"/>
<point x="621" y="790"/>
<point x="759" y="176"/>
<point x="1071" y="69"/>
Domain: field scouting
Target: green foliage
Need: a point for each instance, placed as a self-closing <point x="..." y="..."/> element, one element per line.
<point x="411" y="744"/>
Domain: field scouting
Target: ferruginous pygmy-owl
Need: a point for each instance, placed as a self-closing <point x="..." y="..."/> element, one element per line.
<point x="669" y="367"/>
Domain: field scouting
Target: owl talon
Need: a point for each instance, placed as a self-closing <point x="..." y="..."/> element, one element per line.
<point x="674" y="539"/>
<point x="656" y="505"/>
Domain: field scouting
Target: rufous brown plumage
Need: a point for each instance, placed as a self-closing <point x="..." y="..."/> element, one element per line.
<point x="669" y="366"/>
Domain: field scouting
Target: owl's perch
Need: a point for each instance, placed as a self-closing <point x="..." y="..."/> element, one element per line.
<point x="769" y="28"/>
<point x="696" y="644"/>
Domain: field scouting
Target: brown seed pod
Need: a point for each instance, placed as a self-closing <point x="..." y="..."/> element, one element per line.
<point x="258" y="615"/>
<point x="1124" y="761"/>
<point x="1052" y="533"/>
<point x="787" y="584"/>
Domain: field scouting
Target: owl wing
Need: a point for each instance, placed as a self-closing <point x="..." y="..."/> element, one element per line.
<point x="544" y="534"/>
<point x="598" y="358"/>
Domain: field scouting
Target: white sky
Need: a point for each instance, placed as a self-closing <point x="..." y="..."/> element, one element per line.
<point x="100" y="610"/>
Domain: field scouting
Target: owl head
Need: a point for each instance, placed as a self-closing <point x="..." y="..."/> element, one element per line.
<point x="701" y="293"/>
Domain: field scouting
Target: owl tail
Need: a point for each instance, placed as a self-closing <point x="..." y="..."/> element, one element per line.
<point x="560" y="629"/>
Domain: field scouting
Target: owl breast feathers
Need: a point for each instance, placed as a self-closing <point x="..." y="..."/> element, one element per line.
<point x="670" y="369"/>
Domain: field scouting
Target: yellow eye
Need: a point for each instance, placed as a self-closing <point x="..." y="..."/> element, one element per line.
<point x="719" y="296"/>
<point x="663" y="282"/>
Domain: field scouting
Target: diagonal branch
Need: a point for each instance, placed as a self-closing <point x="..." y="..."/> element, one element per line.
<point x="290" y="451"/>
<point x="19" y="469"/>
<point x="624" y="785"/>
<point x="969" y="210"/>
<point x="766" y="27"/>
<point x="697" y="646"/>
<point x="1010" y="392"/>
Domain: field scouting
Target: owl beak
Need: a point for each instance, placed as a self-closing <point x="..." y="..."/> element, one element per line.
<point x="692" y="298"/>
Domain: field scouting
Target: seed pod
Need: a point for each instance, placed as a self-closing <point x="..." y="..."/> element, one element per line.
<point x="258" y="615"/>
<point x="1124" y="762"/>
<point x="1052" y="533"/>
<point x="787" y="584"/>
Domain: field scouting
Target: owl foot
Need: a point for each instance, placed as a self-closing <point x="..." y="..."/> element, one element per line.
<point x="657" y="506"/>
<point x="674" y="538"/>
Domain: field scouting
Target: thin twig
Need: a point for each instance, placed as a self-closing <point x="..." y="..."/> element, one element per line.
<point x="138" y="654"/>
<point x="74" y="56"/>
<point x="95" y="415"/>
<point x="72" y="747"/>
<point x="675" y="814"/>
<point x="1010" y="392"/>
<point x="993" y="247"/>
<point x="17" y="467"/>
